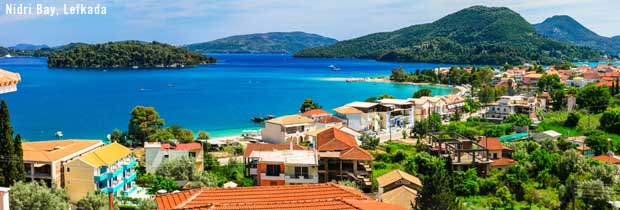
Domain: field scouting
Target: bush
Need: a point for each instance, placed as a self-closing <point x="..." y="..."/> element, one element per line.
<point x="610" y="121"/>
<point x="572" y="120"/>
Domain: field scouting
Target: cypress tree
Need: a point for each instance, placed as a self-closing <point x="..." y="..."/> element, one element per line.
<point x="13" y="169"/>
<point x="20" y="174"/>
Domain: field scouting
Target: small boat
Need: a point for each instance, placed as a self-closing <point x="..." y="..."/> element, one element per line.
<point x="135" y="67"/>
<point x="334" y="67"/>
<point x="8" y="56"/>
<point x="59" y="134"/>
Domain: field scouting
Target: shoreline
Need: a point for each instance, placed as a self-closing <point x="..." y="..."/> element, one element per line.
<point x="460" y="89"/>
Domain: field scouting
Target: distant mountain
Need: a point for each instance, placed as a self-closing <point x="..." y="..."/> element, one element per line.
<point x="273" y="42"/>
<point x="22" y="46"/>
<point x="616" y="38"/>
<point x="565" y="28"/>
<point x="475" y="35"/>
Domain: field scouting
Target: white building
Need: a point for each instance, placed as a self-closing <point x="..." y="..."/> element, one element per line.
<point x="155" y="153"/>
<point x="285" y="129"/>
<point x="508" y="105"/>
<point x="8" y="81"/>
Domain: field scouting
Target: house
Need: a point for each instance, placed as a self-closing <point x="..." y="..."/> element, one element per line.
<point x="8" y="81"/>
<point x="508" y="105"/>
<point x="454" y="103"/>
<point x="108" y="168"/>
<point x="463" y="152"/>
<point x="252" y="165"/>
<point x="316" y="114"/>
<point x="549" y="134"/>
<point x="581" y="145"/>
<point x="353" y="117"/>
<point x="285" y="167"/>
<point x="312" y="135"/>
<point x="531" y="79"/>
<point x="322" y="118"/>
<point x="309" y="196"/>
<point x="500" y="154"/>
<point x="422" y="108"/>
<point x="45" y="160"/>
<point x="155" y="153"/>
<point x="400" y="112"/>
<point x="289" y="128"/>
<point x="342" y="159"/>
<point x="607" y="158"/>
<point x="571" y="102"/>
<point x="399" y="188"/>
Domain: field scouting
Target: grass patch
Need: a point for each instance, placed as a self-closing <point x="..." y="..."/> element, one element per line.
<point x="555" y="121"/>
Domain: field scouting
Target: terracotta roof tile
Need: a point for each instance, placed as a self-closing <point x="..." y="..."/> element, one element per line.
<point x="396" y="175"/>
<point x="503" y="162"/>
<point x="188" y="146"/>
<point x="347" y="110"/>
<point x="492" y="143"/>
<point x="356" y="153"/>
<point x="294" y="197"/>
<point x="329" y="119"/>
<point x="333" y="139"/>
<point x="401" y="196"/>
<point x="49" y="151"/>
<point x="269" y="147"/>
<point x="290" y="119"/>
<point x="607" y="158"/>
<point x="315" y="112"/>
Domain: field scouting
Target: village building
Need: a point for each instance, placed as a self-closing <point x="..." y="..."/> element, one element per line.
<point x="582" y="148"/>
<point x="285" y="129"/>
<point x="507" y="105"/>
<point x="500" y="154"/>
<point x="251" y="163"/>
<point x="463" y="152"/>
<point x="399" y="188"/>
<point x="155" y="153"/>
<point x="322" y="118"/>
<point x="608" y="158"/>
<point x="108" y="169"/>
<point x="284" y="167"/>
<point x="46" y="160"/>
<point x="342" y="159"/>
<point x="353" y="117"/>
<point x="309" y="196"/>
<point x="8" y="81"/>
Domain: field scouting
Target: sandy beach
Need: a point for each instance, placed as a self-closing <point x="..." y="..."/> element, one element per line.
<point x="461" y="89"/>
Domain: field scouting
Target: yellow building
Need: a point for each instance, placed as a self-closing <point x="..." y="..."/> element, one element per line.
<point x="108" y="168"/>
<point x="45" y="160"/>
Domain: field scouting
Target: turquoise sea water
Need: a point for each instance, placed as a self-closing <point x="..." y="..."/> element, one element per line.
<point x="218" y="98"/>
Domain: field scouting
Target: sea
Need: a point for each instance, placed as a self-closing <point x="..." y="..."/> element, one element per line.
<point x="219" y="98"/>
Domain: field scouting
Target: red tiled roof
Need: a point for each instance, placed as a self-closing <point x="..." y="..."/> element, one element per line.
<point x="329" y="119"/>
<point x="607" y="158"/>
<point x="269" y="147"/>
<point x="503" y="162"/>
<point x="314" y="112"/>
<point x="492" y="143"/>
<point x="334" y="139"/>
<point x="188" y="146"/>
<point x="356" y="153"/>
<point x="312" y="196"/>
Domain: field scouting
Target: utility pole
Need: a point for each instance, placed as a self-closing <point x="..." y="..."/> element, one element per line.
<point x="111" y="200"/>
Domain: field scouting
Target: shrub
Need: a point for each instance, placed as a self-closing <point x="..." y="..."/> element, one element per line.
<point x="572" y="120"/>
<point x="610" y="121"/>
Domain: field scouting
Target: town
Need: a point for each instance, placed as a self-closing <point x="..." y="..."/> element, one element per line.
<point x="556" y="126"/>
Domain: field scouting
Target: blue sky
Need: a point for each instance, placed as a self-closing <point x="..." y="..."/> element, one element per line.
<point x="190" y="21"/>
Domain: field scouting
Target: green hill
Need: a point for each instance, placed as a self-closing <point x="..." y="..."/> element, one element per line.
<point x="565" y="28"/>
<point x="125" y="54"/>
<point x="274" y="42"/>
<point x="475" y="35"/>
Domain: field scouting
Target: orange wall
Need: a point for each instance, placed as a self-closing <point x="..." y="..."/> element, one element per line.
<point x="262" y="168"/>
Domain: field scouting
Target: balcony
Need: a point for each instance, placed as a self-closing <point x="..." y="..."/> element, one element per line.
<point x="129" y="164"/>
<point x="253" y="171"/>
<point x="301" y="179"/>
<point x="263" y="176"/>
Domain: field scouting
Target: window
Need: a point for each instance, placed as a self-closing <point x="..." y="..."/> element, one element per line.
<point x="192" y="154"/>
<point x="165" y="157"/>
<point x="301" y="171"/>
<point x="68" y="169"/>
<point x="273" y="170"/>
<point x="494" y="155"/>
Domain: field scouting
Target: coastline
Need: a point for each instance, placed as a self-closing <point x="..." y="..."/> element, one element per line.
<point x="460" y="89"/>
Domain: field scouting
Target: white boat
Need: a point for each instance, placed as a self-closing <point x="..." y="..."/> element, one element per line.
<point x="8" y="56"/>
<point x="59" y="134"/>
<point x="334" y="67"/>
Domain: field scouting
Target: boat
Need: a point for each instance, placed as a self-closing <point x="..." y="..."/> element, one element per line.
<point x="135" y="67"/>
<point x="334" y="67"/>
<point x="59" y="134"/>
<point x="8" y="56"/>
<point x="259" y="119"/>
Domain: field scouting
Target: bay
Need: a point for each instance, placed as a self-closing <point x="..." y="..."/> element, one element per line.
<point x="220" y="98"/>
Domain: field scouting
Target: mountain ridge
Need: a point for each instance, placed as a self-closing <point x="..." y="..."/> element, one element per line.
<point x="271" y="42"/>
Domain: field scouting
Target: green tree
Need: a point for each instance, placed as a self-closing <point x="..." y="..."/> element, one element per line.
<point x="161" y="135"/>
<point x="182" y="135"/>
<point x="203" y="135"/>
<point x="369" y="142"/>
<point x="437" y="192"/>
<point x="210" y="161"/>
<point x="558" y="99"/>
<point x="521" y="120"/>
<point x="161" y="183"/>
<point x="384" y="96"/>
<point x="466" y="183"/>
<point x="597" y="140"/>
<point x="96" y="201"/>
<point x="594" y="98"/>
<point x="548" y="83"/>
<point x="487" y="94"/>
<point x="610" y="121"/>
<point x="308" y="104"/>
<point x="422" y="92"/>
<point x="144" y="122"/>
<point x="37" y="196"/>
<point x="572" y="120"/>
<point x="147" y="204"/>
<point x="181" y="168"/>
<point x="13" y="171"/>
<point x="116" y="135"/>
<point x="399" y="75"/>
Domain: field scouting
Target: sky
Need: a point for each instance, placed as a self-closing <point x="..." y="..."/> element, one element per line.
<point x="191" y="21"/>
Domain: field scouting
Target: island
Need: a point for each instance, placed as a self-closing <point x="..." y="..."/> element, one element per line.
<point x="566" y="29"/>
<point x="273" y="42"/>
<point x="475" y="35"/>
<point x="127" y="54"/>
